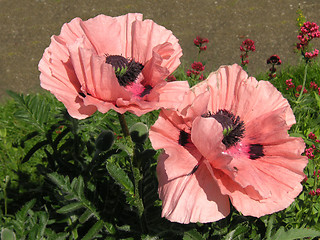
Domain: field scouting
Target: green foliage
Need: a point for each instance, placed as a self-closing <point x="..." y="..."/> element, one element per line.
<point x="86" y="180"/>
<point x="29" y="224"/>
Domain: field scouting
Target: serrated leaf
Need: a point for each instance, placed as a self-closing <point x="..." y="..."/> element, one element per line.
<point x="295" y="233"/>
<point x="120" y="176"/>
<point x="43" y="221"/>
<point x="79" y="187"/>
<point x="70" y="208"/>
<point x="85" y="216"/>
<point x="61" y="181"/>
<point x="230" y="235"/>
<point x="94" y="230"/>
<point x="22" y="213"/>
<point x="269" y="227"/>
<point x="7" y="234"/>
<point x="192" y="235"/>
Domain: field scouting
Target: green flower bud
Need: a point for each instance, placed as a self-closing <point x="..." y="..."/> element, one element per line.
<point x="105" y="140"/>
<point x="139" y="132"/>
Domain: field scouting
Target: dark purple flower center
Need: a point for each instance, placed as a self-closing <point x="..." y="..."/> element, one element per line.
<point x="126" y="70"/>
<point x="233" y="127"/>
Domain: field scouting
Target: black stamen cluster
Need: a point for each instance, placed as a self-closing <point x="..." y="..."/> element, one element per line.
<point x="117" y="61"/>
<point x="232" y="124"/>
<point x="130" y="74"/>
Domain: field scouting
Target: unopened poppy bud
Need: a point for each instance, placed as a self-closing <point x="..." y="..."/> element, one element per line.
<point x="105" y="140"/>
<point x="139" y="132"/>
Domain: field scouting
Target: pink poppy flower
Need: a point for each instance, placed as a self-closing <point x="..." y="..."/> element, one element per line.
<point x="227" y="140"/>
<point x="118" y="63"/>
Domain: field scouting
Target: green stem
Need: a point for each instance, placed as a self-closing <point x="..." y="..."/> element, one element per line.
<point x="304" y="83"/>
<point x="316" y="178"/>
<point x="5" y="201"/>
<point x="123" y="124"/>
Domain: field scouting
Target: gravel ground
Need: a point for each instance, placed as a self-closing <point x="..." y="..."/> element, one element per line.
<point x="26" y="27"/>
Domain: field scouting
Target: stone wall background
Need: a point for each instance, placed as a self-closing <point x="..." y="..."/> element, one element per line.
<point x="27" y="25"/>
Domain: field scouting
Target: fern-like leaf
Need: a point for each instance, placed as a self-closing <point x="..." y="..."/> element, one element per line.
<point x="120" y="177"/>
<point x="32" y="109"/>
<point x="295" y="233"/>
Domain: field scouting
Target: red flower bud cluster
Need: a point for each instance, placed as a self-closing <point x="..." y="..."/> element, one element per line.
<point x="312" y="136"/>
<point x="313" y="85"/>
<point x="313" y="192"/>
<point x="305" y="179"/>
<point x="246" y="46"/>
<point x="197" y="66"/>
<point x="171" y="78"/>
<point x="273" y="60"/>
<point x="309" y="153"/>
<point x="313" y="54"/>
<point x="199" y="41"/>
<point x="314" y="173"/>
<point x="195" y="71"/>
<point x="289" y="84"/>
<point x="299" y="89"/>
<point x="308" y="31"/>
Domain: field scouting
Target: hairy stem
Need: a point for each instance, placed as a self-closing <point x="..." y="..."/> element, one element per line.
<point x="123" y="124"/>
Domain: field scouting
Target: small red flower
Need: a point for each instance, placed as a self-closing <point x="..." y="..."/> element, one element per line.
<point x="312" y="193"/>
<point x="309" y="153"/>
<point x="313" y="85"/>
<point x="305" y="179"/>
<point x="197" y="66"/>
<point x="308" y="31"/>
<point x="274" y="60"/>
<point x="199" y="41"/>
<point x="171" y="78"/>
<point x="289" y="84"/>
<point x="247" y="45"/>
<point x="312" y="136"/>
<point x="311" y="55"/>
<point x="299" y="87"/>
<point x="203" y="48"/>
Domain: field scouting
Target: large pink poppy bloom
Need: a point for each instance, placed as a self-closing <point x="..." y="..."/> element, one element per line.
<point x="118" y="63"/>
<point x="228" y="140"/>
